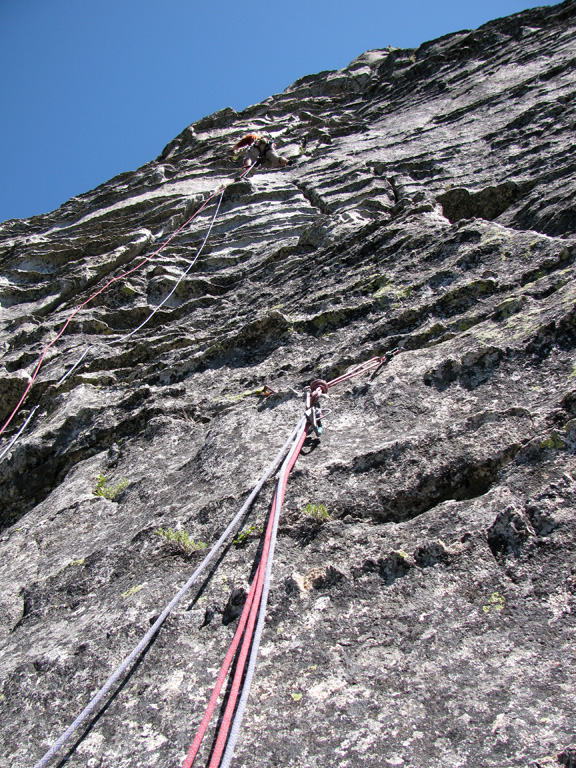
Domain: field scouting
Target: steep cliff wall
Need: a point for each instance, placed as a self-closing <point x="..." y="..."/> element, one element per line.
<point x="431" y="621"/>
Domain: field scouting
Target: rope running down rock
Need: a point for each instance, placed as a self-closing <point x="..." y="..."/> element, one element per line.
<point x="293" y="446"/>
<point x="247" y="618"/>
<point x="126" y="663"/>
<point x="164" y="300"/>
<point x="220" y="190"/>
<point x="254" y="616"/>
<point x="248" y="631"/>
<point x="247" y="684"/>
<point x="89" y="299"/>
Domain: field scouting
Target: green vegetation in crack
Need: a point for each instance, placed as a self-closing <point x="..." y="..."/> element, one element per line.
<point x="248" y="533"/>
<point x="180" y="542"/>
<point x="107" y="491"/>
<point x="466" y="323"/>
<point x="132" y="591"/>
<point x="128" y="290"/>
<point x="317" y="512"/>
<point x="371" y="284"/>
<point x="554" y="442"/>
<point x="296" y="696"/>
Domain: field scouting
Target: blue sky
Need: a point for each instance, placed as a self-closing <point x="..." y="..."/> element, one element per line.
<point x="92" y="88"/>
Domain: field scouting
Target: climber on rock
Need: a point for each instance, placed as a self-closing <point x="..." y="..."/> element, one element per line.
<point x="260" y="150"/>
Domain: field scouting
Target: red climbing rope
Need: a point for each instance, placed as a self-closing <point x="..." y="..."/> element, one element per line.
<point x="359" y="369"/>
<point x="255" y="601"/>
<point x="93" y="296"/>
<point x="245" y="631"/>
<point x="369" y="365"/>
<point x="113" y="280"/>
<point x="221" y="678"/>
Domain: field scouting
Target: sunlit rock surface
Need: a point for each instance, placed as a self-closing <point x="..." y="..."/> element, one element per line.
<point x="432" y="620"/>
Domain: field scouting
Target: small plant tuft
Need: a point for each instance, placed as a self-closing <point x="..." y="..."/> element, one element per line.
<point x="496" y="603"/>
<point x="246" y="534"/>
<point x="317" y="512"/>
<point x="110" y="492"/>
<point x="179" y="542"/>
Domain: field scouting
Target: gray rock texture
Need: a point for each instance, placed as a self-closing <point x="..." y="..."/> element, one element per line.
<point x="431" y="621"/>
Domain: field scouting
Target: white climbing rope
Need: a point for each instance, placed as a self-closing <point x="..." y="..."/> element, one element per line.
<point x="20" y="431"/>
<point x="126" y="663"/>
<point x="281" y="486"/>
<point x="128" y="335"/>
<point x="182" y="276"/>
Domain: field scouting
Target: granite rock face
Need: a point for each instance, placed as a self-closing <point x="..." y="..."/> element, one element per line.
<point x="431" y="621"/>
